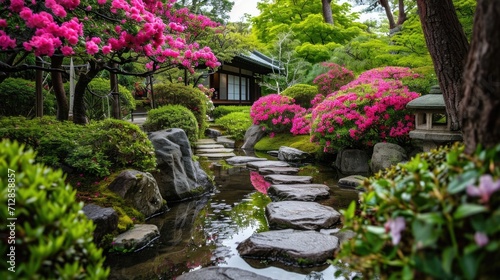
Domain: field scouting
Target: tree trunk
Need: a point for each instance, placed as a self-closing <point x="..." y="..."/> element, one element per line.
<point x="58" y="86"/>
<point x="481" y="103"/>
<point x="448" y="48"/>
<point x="113" y="82"/>
<point x="327" y="11"/>
<point x="388" y="13"/>
<point x="402" y="13"/>
<point x="79" y="113"/>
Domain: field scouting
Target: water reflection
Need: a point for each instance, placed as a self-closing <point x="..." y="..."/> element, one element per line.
<point x="206" y="232"/>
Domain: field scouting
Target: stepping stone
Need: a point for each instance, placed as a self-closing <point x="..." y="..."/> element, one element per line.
<point x="299" y="192"/>
<point x="351" y="182"/>
<point x="279" y="170"/>
<point x="292" y="154"/>
<point x="243" y="160"/>
<point x="288" y="179"/>
<point x="205" y="142"/>
<point x="218" y="150"/>
<point x="304" y="248"/>
<point x="300" y="215"/>
<point x="136" y="238"/>
<point x="226" y="142"/>
<point x="266" y="163"/>
<point x="219" y="273"/>
<point x="216" y="155"/>
<point x="210" y="146"/>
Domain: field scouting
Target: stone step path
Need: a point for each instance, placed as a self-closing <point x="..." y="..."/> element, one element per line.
<point x="214" y="150"/>
<point x="294" y="217"/>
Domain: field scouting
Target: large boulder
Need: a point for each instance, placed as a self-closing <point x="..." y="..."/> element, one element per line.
<point x="292" y="154"/>
<point x="387" y="154"/>
<point x="252" y="136"/>
<point x="179" y="177"/>
<point x="304" y="248"/>
<point x="105" y="220"/>
<point x="300" y="215"/>
<point x="140" y="189"/>
<point x="352" y="162"/>
<point x="221" y="273"/>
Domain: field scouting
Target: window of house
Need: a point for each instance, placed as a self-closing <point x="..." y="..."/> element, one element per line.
<point x="231" y="86"/>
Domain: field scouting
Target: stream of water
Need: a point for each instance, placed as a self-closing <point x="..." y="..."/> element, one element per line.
<point x="205" y="232"/>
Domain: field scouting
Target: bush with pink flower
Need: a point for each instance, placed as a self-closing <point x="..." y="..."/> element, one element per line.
<point x="368" y="110"/>
<point x="333" y="79"/>
<point x="274" y="113"/>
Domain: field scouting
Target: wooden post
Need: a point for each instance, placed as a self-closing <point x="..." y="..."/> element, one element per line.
<point x="38" y="90"/>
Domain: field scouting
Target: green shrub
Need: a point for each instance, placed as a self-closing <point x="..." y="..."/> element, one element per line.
<point x="427" y="78"/>
<point x="427" y="219"/>
<point x="98" y="148"/>
<point x="18" y="98"/>
<point x="173" y="116"/>
<point x="100" y="108"/>
<point x="236" y="124"/>
<point x="221" y="111"/>
<point x="53" y="238"/>
<point x="187" y="96"/>
<point x="302" y="94"/>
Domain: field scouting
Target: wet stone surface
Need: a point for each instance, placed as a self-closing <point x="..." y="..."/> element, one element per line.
<point x="298" y="192"/>
<point x="221" y="273"/>
<point x="243" y="160"/>
<point x="266" y="163"/>
<point x="288" y="179"/>
<point x="303" y="248"/>
<point x="300" y="215"/>
<point x="279" y="170"/>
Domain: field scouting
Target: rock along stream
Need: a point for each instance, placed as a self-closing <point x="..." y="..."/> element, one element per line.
<point x="205" y="232"/>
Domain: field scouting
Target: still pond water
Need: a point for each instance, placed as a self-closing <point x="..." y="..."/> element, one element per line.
<point x="205" y="232"/>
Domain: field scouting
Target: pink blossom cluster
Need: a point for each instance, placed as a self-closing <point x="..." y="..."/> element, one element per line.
<point x="147" y="27"/>
<point x="275" y="113"/>
<point x="370" y="109"/>
<point x="333" y="79"/>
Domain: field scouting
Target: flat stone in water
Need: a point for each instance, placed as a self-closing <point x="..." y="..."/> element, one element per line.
<point x="303" y="248"/>
<point x="279" y="170"/>
<point x="216" y="155"/>
<point x="288" y="179"/>
<point x="351" y="182"/>
<point x="205" y="142"/>
<point x="210" y="146"/>
<point x="137" y="237"/>
<point x="298" y="192"/>
<point x="243" y="160"/>
<point x="300" y="215"/>
<point x="221" y="273"/>
<point x="217" y="150"/>
<point x="266" y="163"/>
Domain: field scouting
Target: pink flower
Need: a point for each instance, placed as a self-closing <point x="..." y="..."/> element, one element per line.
<point x="394" y="227"/>
<point x="485" y="189"/>
<point x="481" y="239"/>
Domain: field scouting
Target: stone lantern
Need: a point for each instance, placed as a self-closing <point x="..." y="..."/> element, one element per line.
<point x="431" y="121"/>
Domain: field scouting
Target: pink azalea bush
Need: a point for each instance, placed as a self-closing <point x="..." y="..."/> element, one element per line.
<point x="368" y="110"/>
<point x="275" y="113"/>
<point x="332" y="80"/>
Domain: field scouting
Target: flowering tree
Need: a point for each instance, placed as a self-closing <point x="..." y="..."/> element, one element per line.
<point x="105" y="33"/>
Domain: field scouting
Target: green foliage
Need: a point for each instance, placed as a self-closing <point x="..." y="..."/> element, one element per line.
<point x="98" y="108"/>
<point x="223" y="110"/>
<point x="300" y="142"/>
<point x="53" y="238"/>
<point x="173" y="116"/>
<point x="187" y="96"/>
<point x="428" y="219"/>
<point x="97" y="149"/>
<point x="236" y="124"/>
<point x="18" y="98"/>
<point x="302" y="94"/>
<point x="423" y="83"/>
